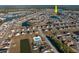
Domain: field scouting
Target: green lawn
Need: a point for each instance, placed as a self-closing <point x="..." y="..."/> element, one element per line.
<point x="25" y="46"/>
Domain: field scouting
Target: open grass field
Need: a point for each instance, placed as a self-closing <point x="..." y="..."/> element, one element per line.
<point x="25" y="46"/>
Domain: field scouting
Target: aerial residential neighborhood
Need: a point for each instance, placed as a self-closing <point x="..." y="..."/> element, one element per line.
<point x="39" y="30"/>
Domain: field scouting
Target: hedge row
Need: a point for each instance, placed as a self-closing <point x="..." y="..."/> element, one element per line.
<point x="62" y="47"/>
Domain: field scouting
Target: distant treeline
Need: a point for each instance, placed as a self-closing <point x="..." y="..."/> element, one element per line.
<point x="72" y="7"/>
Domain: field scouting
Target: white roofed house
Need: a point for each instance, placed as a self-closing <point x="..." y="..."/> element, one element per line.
<point x="2" y="18"/>
<point x="61" y="25"/>
<point x="77" y="24"/>
<point x="56" y="24"/>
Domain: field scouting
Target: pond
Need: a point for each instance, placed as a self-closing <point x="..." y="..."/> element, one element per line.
<point x="26" y="23"/>
<point x="55" y="17"/>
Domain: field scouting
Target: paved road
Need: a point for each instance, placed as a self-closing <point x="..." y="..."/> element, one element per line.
<point x="48" y="41"/>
